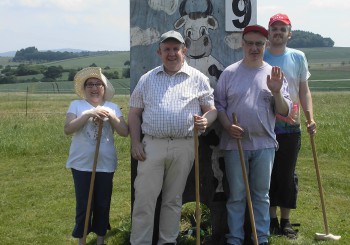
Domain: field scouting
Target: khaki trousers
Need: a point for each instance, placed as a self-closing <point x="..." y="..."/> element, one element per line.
<point x="166" y="168"/>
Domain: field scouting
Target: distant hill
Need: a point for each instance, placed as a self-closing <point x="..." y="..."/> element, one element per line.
<point x="13" y="53"/>
<point x="8" y="54"/>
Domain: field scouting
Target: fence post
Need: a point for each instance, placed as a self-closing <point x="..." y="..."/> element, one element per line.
<point x="27" y="101"/>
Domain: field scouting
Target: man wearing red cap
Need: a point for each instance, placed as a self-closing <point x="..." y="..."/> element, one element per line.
<point x="255" y="92"/>
<point x="284" y="180"/>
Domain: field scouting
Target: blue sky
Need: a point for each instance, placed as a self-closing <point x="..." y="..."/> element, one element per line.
<point x="104" y="24"/>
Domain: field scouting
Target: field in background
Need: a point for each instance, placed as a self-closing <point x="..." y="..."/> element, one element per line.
<point x="329" y="67"/>
<point x="326" y="57"/>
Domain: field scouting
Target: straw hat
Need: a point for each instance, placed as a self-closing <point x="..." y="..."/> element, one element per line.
<point x="89" y="72"/>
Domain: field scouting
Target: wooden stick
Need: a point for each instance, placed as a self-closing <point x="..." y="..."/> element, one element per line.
<point x="198" y="207"/>
<point x="92" y="181"/>
<point x="246" y="183"/>
<point x="313" y="146"/>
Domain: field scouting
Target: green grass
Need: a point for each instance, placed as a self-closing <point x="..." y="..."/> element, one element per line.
<point x="327" y="55"/>
<point x="37" y="197"/>
<point x="330" y="75"/>
<point x="121" y="86"/>
<point x="117" y="58"/>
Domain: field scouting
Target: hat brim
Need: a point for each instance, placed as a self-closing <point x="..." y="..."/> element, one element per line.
<point x="286" y="22"/>
<point x="92" y="72"/>
<point x="256" y="28"/>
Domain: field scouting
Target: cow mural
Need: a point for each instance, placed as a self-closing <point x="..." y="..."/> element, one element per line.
<point x="196" y="22"/>
<point x="196" y="25"/>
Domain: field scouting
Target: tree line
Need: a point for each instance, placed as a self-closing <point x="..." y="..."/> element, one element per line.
<point x="305" y="39"/>
<point x="32" y="54"/>
<point x="31" y="59"/>
<point x="51" y="73"/>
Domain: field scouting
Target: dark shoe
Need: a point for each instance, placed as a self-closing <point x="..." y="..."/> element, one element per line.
<point x="264" y="243"/>
<point x="288" y="231"/>
<point x="275" y="227"/>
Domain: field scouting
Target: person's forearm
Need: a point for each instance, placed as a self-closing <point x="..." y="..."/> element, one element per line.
<point x="281" y="104"/>
<point x="119" y="125"/>
<point x="72" y="126"/>
<point x="306" y="100"/>
<point x="134" y="128"/>
<point x="211" y="116"/>
<point x="224" y="120"/>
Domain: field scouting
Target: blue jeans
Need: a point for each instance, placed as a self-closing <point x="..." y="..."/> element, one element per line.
<point x="258" y="165"/>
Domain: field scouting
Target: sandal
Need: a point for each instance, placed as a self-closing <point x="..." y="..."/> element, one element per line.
<point x="288" y="231"/>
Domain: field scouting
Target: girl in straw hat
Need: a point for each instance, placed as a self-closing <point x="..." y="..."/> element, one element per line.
<point x="82" y="120"/>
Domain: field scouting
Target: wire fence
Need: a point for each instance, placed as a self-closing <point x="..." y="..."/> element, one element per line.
<point x="30" y="100"/>
<point x="23" y="94"/>
<point x="19" y="102"/>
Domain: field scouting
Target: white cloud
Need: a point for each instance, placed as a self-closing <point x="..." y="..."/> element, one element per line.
<point x="340" y="5"/>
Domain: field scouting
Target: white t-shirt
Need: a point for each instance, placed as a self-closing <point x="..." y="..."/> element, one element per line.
<point x="83" y="146"/>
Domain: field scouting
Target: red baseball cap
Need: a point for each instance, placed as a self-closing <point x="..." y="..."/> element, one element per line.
<point x="256" y="28"/>
<point x="280" y="17"/>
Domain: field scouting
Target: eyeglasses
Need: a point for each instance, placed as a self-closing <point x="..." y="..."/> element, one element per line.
<point x="91" y="85"/>
<point x="259" y="44"/>
<point x="282" y="29"/>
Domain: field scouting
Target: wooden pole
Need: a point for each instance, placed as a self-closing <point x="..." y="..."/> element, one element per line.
<point x="198" y="207"/>
<point x="92" y="181"/>
<point x="246" y="183"/>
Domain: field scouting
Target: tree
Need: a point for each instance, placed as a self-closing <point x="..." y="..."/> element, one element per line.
<point x="7" y="71"/>
<point x="25" y="54"/>
<point x="33" y="54"/>
<point x="305" y="39"/>
<point x="71" y="75"/>
<point x="8" y="80"/>
<point x="53" y="72"/>
<point x="126" y="72"/>
<point x="112" y="75"/>
<point x="24" y="69"/>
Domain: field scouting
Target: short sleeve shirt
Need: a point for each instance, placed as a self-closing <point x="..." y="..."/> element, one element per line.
<point x="170" y="102"/>
<point x="83" y="145"/>
<point x="295" y="68"/>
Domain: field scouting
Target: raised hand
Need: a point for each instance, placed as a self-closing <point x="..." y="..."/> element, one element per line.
<point x="275" y="80"/>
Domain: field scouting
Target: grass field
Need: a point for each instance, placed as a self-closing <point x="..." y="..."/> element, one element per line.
<point x="37" y="197"/>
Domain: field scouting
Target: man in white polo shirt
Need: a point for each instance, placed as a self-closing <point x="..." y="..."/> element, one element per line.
<point x="165" y="106"/>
